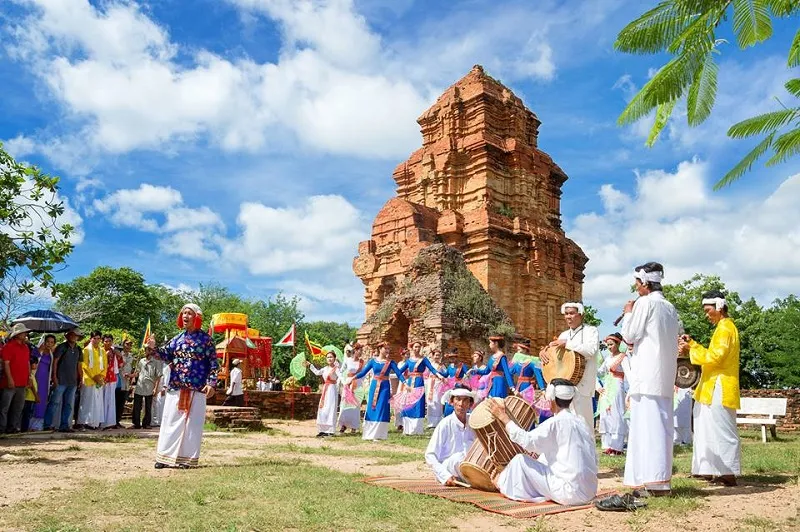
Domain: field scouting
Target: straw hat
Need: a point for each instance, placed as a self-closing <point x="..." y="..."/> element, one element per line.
<point x="17" y="329"/>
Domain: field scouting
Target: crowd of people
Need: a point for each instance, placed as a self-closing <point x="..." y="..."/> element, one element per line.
<point x="627" y="394"/>
<point x="70" y="387"/>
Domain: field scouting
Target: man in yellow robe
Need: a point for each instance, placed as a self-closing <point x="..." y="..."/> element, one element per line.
<point x="90" y="409"/>
<point x="717" y="449"/>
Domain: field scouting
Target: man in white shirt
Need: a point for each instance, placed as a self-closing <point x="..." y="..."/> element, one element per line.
<point x="566" y="470"/>
<point x="651" y="324"/>
<point x="235" y="391"/>
<point x="585" y="341"/>
<point x="452" y="437"/>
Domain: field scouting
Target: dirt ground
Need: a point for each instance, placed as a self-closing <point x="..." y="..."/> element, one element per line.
<point x="40" y="465"/>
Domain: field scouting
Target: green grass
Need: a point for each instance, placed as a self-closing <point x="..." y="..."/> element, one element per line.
<point x="776" y="462"/>
<point x="386" y="457"/>
<point x="250" y="495"/>
<point x="395" y="438"/>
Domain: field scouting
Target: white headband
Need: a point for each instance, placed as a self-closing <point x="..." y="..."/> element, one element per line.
<point x="457" y="392"/>
<point x="718" y="302"/>
<point x="648" y="277"/>
<point x="194" y="308"/>
<point x="578" y="306"/>
<point x="562" y="391"/>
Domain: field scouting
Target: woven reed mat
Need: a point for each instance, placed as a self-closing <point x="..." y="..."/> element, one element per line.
<point x="491" y="502"/>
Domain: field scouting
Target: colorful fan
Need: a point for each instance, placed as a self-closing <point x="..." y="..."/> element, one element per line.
<point x="297" y="366"/>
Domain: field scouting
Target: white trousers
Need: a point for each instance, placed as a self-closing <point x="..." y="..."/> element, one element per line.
<point x="350" y="418"/>
<point x="529" y="480"/>
<point x="717" y="449"/>
<point x="582" y="406"/>
<point x="326" y="416"/>
<point x="649" y="459"/>
<point x="109" y="405"/>
<point x="90" y="409"/>
<point x="413" y="426"/>
<point x="181" y="432"/>
<point x="376" y="430"/>
<point x="434" y="414"/>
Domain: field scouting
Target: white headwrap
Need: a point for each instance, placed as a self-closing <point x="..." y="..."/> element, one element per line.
<point x="562" y="391"/>
<point x="457" y="392"/>
<point x="718" y="302"/>
<point x="578" y="306"/>
<point x="648" y="277"/>
<point x="194" y="308"/>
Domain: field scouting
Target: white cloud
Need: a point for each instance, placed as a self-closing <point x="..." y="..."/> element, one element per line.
<point x="671" y="218"/>
<point x="336" y="87"/>
<point x="322" y="233"/>
<point x="192" y="233"/>
<point x="128" y="207"/>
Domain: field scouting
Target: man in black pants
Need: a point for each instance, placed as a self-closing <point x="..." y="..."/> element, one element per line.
<point x="148" y="375"/>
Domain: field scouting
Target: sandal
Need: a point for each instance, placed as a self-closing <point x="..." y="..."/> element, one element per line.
<point x="617" y="503"/>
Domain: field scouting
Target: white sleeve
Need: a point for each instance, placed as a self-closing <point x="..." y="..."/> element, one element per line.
<point x="432" y="455"/>
<point x="602" y="369"/>
<point x="586" y="343"/>
<point x="314" y="370"/>
<point x="634" y="323"/>
<point x="530" y="441"/>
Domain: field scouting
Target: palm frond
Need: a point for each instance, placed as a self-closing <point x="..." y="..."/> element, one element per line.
<point x="763" y="123"/>
<point x="751" y="22"/>
<point x="703" y="91"/>
<point x="663" y="112"/>
<point x="654" y="30"/>
<point x="793" y="86"/>
<point x="783" y="8"/>
<point x="794" y="51"/>
<point x="746" y="163"/>
<point x="668" y="85"/>
<point x="785" y="146"/>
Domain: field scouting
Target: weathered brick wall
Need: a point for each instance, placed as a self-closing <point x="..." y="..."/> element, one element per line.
<point x="279" y="405"/>
<point x="234" y="417"/>
<point x="792" y="419"/>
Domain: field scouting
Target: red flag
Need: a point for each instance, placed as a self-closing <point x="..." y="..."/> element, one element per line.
<point x="288" y="338"/>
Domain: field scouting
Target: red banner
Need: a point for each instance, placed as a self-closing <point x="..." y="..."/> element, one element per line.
<point x="261" y="356"/>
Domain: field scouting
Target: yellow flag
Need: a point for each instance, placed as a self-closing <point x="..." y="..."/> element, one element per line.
<point x="146" y="334"/>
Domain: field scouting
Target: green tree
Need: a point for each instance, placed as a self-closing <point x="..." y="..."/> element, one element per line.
<point x="33" y="242"/>
<point x="778" y="340"/>
<point x="755" y="369"/>
<point x="590" y="316"/>
<point x="687" y="30"/>
<point x="109" y="298"/>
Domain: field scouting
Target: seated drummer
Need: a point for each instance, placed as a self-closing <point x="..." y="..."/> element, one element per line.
<point x="566" y="470"/>
<point x="452" y="438"/>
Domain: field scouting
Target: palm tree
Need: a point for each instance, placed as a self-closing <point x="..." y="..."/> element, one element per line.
<point x="686" y="29"/>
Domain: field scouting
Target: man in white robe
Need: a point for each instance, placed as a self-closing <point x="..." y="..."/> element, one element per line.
<point x="452" y="437"/>
<point x="651" y="324"/>
<point x="585" y="341"/>
<point x="566" y="470"/>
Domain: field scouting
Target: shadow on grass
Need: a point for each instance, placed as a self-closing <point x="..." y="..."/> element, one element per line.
<point x="768" y="478"/>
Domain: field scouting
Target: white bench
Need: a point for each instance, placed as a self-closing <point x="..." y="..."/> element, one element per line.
<point x="761" y="406"/>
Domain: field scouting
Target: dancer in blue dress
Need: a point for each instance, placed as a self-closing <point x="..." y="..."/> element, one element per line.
<point x="376" y="420"/>
<point x="497" y="369"/>
<point x="412" y="401"/>
<point x="528" y="369"/>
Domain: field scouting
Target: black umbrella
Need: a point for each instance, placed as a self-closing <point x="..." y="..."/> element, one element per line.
<point x="46" y="321"/>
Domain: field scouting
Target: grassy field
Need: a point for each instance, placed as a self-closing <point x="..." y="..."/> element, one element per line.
<point x="279" y="489"/>
<point x="250" y="495"/>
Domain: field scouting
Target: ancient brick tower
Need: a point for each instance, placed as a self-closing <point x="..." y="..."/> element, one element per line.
<point x="480" y="184"/>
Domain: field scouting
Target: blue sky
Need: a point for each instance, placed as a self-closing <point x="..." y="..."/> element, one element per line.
<point x="251" y="142"/>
